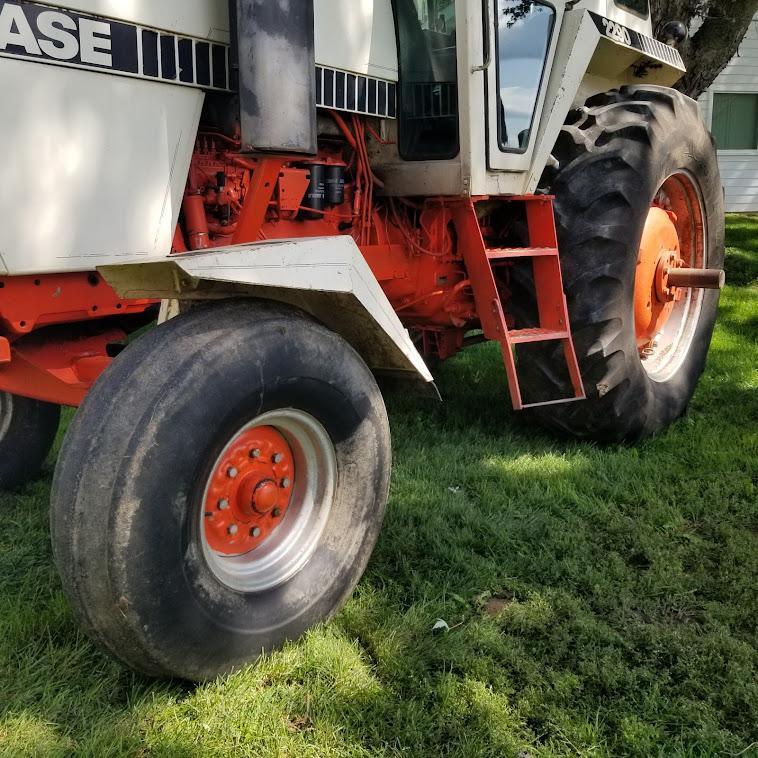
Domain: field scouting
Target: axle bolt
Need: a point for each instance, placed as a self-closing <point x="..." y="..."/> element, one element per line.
<point x="255" y="532"/>
<point x="285" y="483"/>
<point x="223" y="505"/>
<point x="276" y="512"/>
<point x="232" y="473"/>
<point x="233" y="529"/>
<point x="255" y="453"/>
<point x="278" y="458"/>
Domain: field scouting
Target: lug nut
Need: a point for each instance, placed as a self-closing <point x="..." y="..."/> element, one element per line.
<point x="285" y="483"/>
<point x="233" y="529"/>
<point x="278" y="458"/>
<point x="232" y="473"/>
<point x="276" y="512"/>
<point x="255" y="532"/>
<point x="255" y="453"/>
<point x="223" y="504"/>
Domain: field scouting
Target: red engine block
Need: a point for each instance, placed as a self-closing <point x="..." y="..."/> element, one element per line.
<point x="411" y="246"/>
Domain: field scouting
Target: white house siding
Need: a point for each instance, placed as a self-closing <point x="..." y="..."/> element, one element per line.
<point x="739" y="168"/>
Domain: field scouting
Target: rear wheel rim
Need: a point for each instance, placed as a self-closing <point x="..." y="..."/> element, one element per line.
<point x="666" y="332"/>
<point x="282" y="461"/>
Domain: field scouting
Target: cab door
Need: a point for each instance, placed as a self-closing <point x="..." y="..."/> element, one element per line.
<point x="523" y="36"/>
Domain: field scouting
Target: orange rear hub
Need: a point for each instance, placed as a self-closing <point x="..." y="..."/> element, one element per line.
<point x="660" y="252"/>
<point x="249" y="491"/>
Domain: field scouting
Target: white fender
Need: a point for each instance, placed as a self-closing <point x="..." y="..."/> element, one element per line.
<point x="325" y="276"/>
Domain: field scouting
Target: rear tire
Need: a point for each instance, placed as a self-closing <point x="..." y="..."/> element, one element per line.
<point x="134" y="489"/>
<point x="27" y="433"/>
<point x="615" y="155"/>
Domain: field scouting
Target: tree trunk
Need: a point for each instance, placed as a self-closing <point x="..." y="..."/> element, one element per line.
<point x="710" y="48"/>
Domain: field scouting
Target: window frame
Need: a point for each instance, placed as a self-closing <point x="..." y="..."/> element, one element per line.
<point x="746" y="152"/>
<point x="548" y="47"/>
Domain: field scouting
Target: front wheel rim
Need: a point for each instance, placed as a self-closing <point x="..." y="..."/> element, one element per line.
<point x="276" y="475"/>
<point x="666" y="318"/>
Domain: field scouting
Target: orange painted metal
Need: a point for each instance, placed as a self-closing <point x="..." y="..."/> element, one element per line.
<point x="28" y="303"/>
<point x="59" y="370"/>
<point x="249" y="491"/>
<point x="293" y="184"/>
<point x="432" y="256"/>
<point x="653" y="298"/>
<point x="553" y="322"/>
<point x="259" y="196"/>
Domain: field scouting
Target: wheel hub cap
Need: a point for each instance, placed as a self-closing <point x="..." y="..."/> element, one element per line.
<point x="653" y="297"/>
<point x="249" y="491"/>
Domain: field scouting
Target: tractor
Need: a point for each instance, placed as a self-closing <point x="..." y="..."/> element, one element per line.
<point x="308" y="196"/>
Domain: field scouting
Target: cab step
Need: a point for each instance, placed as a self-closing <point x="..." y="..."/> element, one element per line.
<point x="548" y="283"/>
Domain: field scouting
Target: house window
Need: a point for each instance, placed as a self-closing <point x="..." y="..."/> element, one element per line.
<point x="735" y="121"/>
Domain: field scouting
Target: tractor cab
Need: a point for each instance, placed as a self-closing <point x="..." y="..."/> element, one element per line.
<point x="484" y="88"/>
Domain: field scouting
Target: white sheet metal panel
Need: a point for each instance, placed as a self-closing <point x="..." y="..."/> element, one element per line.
<point x="325" y="276"/>
<point x="208" y="19"/>
<point x="357" y="36"/>
<point x="95" y="166"/>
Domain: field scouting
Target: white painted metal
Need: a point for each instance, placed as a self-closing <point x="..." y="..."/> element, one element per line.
<point x="95" y="166"/>
<point x="357" y="36"/>
<point x="327" y="277"/>
<point x="208" y="19"/>
<point x="583" y="62"/>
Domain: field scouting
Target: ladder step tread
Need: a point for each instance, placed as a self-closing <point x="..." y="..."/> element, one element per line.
<point x="505" y="253"/>
<point x="522" y="336"/>
<point x="555" y="402"/>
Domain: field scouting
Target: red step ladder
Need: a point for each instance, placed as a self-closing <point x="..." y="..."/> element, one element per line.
<point x="548" y="284"/>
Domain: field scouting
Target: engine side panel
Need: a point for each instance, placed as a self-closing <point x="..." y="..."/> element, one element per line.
<point x="96" y="168"/>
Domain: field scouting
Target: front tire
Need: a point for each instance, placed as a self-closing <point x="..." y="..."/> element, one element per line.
<point x="623" y="157"/>
<point x="27" y="432"/>
<point x="221" y="489"/>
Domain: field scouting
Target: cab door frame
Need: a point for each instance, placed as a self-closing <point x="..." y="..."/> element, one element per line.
<point x="499" y="159"/>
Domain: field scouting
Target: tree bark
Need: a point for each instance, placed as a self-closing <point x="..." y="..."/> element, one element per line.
<point x="714" y="43"/>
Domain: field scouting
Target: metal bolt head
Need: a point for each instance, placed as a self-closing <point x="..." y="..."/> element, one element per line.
<point x="256" y="453"/>
<point x="276" y="512"/>
<point x="223" y="504"/>
<point x="255" y="532"/>
<point x="232" y="473"/>
<point x="285" y="483"/>
<point x="233" y="529"/>
<point x="278" y="458"/>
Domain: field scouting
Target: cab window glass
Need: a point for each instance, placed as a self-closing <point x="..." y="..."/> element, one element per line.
<point x="524" y="31"/>
<point x="638" y="6"/>
<point x="428" y="111"/>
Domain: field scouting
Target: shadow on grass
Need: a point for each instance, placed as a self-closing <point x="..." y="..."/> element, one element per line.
<point x="600" y="601"/>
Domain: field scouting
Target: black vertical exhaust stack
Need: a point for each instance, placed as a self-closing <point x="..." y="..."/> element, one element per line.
<point x="274" y="43"/>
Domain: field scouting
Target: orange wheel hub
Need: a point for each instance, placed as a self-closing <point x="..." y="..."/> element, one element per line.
<point x="660" y="252"/>
<point x="249" y="491"/>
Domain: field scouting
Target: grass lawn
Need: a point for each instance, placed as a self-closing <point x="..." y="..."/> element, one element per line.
<point x="601" y="602"/>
